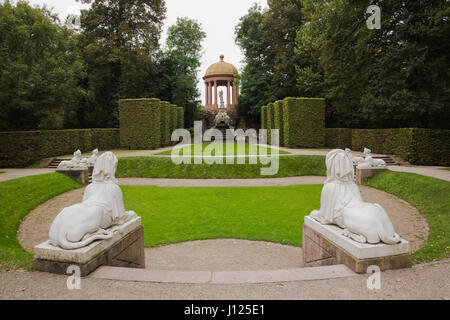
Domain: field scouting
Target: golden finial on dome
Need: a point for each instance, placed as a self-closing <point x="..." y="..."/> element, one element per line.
<point x="222" y="57"/>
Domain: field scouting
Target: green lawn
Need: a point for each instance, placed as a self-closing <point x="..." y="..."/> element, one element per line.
<point x="432" y="197"/>
<point x="172" y="215"/>
<point x="2" y="172"/>
<point x="220" y="149"/>
<point x="17" y="198"/>
<point x="154" y="167"/>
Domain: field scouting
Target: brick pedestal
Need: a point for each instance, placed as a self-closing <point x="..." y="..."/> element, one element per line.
<point x="320" y="250"/>
<point x="362" y="175"/>
<point x="80" y="176"/>
<point x="123" y="251"/>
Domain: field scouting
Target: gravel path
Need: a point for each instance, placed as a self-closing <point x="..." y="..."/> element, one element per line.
<point x="429" y="281"/>
<point x="11" y="174"/>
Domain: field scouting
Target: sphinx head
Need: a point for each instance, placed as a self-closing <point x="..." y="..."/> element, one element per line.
<point x="339" y="166"/>
<point x="105" y="168"/>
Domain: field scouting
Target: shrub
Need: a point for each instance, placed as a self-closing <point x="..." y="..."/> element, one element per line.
<point x="270" y="122"/>
<point x="105" y="139"/>
<point x="140" y="123"/>
<point x="304" y="122"/>
<point x="278" y="119"/>
<point x="62" y="142"/>
<point x="165" y="123"/>
<point x="19" y="149"/>
<point x="180" y="118"/>
<point x="173" y="118"/>
<point x="338" y="138"/>
<point x="264" y="117"/>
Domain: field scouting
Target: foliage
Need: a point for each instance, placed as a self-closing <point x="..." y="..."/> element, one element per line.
<point x="278" y="119"/>
<point x="394" y="77"/>
<point x="13" y="208"/>
<point x="40" y="69"/>
<point x="268" y="213"/>
<point x="304" y="122"/>
<point x="119" y="42"/>
<point x="140" y="123"/>
<point x="179" y="66"/>
<point x="23" y="148"/>
<point x="430" y="196"/>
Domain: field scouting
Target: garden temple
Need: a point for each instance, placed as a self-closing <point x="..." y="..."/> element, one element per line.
<point x="221" y="74"/>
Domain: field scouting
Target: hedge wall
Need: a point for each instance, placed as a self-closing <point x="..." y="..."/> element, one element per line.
<point x="338" y="138"/>
<point x="165" y="123"/>
<point x="173" y="118"/>
<point x="415" y="145"/>
<point x="180" y="117"/>
<point x="264" y="117"/>
<point x="278" y="119"/>
<point x="304" y="122"/>
<point x="21" y="149"/>
<point x="140" y="125"/>
<point x="270" y="122"/>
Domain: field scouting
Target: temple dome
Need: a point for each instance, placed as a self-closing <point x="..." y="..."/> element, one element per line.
<point x="221" y="68"/>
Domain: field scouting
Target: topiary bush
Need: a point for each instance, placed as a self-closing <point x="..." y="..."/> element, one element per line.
<point x="173" y="118"/>
<point x="270" y="122"/>
<point x="180" y="118"/>
<point x="338" y="138"/>
<point x="140" y="123"/>
<point x="278" y="119"/>
<point x="165" y="123"/>
<point x="304" y="122"/>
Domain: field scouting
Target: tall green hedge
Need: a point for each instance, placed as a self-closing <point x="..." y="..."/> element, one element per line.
<point x="415" y="145"/>
<point x="264" y="117"/>
<point x="165" y="123"/>
<point x="173" y="118"/>
<point x="180" y="117"/>
<point x="338" y="138"/>
<point x="304" y="122"/>
<point x="140" y="126"/>
<point x="278" y="119"/>
<point x="270" y="122"/>
<point x="21" y="149"/>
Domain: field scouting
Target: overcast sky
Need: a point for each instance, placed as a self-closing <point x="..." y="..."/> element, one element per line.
<point x="218" y="19"/>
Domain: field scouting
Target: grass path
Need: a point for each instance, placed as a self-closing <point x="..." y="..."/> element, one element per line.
<point x="432" y="197"/>
<point x="220" y="149"/>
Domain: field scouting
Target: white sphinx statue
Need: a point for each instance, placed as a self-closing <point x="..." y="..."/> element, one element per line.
<point x="93" y="158"/>
<point x="76" y="163"/>
<point x="79" y="225"/>
<point x="341" y="204"/>
<point x="356" y="160"/>
<point x="371" y="163"/>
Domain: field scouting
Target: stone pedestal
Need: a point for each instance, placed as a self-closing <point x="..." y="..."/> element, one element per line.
<point x="124" y="249"/>
<point x="325" y="245"/>
<point x="362" y="175"/>
<point x="79" y="175"/>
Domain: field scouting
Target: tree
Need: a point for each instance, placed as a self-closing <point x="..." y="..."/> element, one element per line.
<point x="119" y="41"/>
<point x="39" y="69"/>
<point x="179" y="66"/>
<point x="258" y="87"/>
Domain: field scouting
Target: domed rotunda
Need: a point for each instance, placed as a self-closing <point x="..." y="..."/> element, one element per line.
<point x="221" y="74"/>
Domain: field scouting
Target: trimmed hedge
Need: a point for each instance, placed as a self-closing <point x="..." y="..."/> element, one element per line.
<point x="338" y="138"/>
<point x="415" y="145"/>
<point x="304" y="122"/>
<point x="278" y="119"/>
<point x="140" y="126"/>
<point x="173" y="118"/>
<point x="264" y="117"/>
<point x="270" y="122"/>
<point x="23" y="148"/>
<point x="180" y="117"/>
<point x="165" y="123"/>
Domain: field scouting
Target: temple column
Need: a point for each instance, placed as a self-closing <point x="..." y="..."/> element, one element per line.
<point x="206" y="93"/>
<point x="215" y="95"/>
<point x="228" y="93"/>
<point x="210" y="93"/>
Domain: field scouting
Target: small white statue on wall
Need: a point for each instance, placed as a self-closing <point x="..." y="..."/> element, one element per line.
<point x="102" y="208"/>
<point x="355" y="160"/>
<point x="76" y="162"/>
<point x="341" y="204"/>
<point x="93" y="158"/>
<point x="371" y="163"/>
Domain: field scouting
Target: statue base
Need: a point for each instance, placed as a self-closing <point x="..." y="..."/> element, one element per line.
<point x="325" y="245"/>
<point x="362" y="175"/>
<point x="124" y="249"/>
<point x="79" y="175"/>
